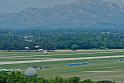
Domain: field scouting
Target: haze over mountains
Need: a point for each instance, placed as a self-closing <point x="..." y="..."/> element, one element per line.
<point x="80" y="14"/>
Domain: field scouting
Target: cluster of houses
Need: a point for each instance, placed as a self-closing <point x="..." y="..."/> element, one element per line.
<point x="9" y="70"/>
<point x="39" y="50"/>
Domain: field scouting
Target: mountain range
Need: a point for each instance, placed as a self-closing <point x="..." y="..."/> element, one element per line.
<point x="80" y="14"/>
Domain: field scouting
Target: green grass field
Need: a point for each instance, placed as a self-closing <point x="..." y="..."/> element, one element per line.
<point x="97" y="69"/>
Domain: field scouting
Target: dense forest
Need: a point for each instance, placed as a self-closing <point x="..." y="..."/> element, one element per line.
<point x="60" y="39"/>
<point x="18" y="77"/>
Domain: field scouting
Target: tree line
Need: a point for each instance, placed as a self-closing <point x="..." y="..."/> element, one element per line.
<point x="18" y="77"/>
<point x="60" y="39"/>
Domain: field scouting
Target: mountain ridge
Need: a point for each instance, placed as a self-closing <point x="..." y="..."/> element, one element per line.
<point x="81" y="14"/>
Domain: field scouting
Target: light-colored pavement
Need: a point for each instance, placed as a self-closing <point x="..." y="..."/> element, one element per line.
<point x="60" y="59"/>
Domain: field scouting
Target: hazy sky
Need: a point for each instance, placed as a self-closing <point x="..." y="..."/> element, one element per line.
<point x="17" y="5"/>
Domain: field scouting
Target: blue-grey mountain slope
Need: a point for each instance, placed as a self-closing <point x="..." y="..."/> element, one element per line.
<point x="81" y="14"/>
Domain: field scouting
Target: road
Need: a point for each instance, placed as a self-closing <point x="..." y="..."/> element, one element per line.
<point x="59" y="59"/>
